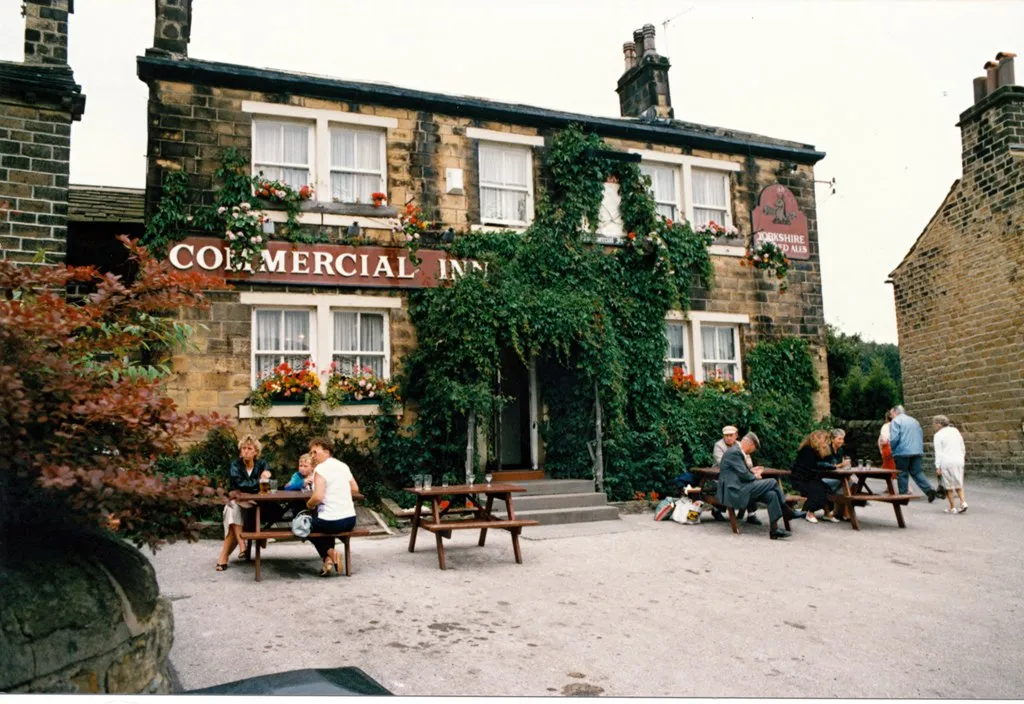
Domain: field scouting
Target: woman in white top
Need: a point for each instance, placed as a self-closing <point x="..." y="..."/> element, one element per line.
<point x="333" y="486"/>
<point x="883" y="443"/>
<point x="949" y="460"/>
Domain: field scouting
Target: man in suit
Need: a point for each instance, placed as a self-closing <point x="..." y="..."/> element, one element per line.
<point x="741" y="487"/>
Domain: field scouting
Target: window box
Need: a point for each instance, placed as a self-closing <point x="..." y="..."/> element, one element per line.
<point x="349" y="410"/>
<point x="320" y="207"/>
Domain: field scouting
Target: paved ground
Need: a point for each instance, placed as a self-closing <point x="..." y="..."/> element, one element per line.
<point x="634" y="607"/>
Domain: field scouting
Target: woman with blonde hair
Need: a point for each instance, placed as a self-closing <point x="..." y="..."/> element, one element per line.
<point x="244" y="476"/>
<point x="812" y="456"/>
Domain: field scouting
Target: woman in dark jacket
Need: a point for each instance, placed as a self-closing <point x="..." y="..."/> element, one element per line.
<point x="243" y="478"/>
<point x="814" y="455"/>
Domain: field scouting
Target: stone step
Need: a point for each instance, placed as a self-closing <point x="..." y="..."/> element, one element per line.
<point x="538" y="502"/>
<point x="556" y="486"/>
<point x="556" y="516"/>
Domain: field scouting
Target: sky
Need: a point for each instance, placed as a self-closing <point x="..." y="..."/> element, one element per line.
<point x="878" y="86"/>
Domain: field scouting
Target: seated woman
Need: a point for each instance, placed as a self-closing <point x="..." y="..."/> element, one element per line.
<point x="333" y="486"/>
<point x="814" y="454"/>
<point x="243" y="478"/>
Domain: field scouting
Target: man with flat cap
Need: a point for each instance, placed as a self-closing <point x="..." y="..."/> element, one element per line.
<point x="740" y="486"/>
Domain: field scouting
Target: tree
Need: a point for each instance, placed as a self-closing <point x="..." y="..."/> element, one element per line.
<point x="864" y="377"/>
<point x="82" y="416"/>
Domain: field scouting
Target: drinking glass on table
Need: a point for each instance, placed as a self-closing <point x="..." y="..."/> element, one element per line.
<point x="273" y="485"/>
<point x="428" y="481"/>
<point x="418" y="481"/>
<point x="863" y="463"/>
<point x="488" y="477"/>
<point x="444" y="481"/>
<point x="471" y="479"/>
<point x="264" y="486"/>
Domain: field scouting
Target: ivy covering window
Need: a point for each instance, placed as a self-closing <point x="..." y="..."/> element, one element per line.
<point x="359" y="342"/>
<point x="281" y="151"/>
<point x="719" y="348"/>
<point x="281" y="336"/>
<point x="664" y="188"/>
<point x="357" y="164"/>
<point x="711" y="197"/>
<point x="506" y="184"/>
<point x="675" y="357"/>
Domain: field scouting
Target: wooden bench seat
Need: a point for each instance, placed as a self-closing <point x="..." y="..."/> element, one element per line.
<point x="286" y="534"/>
<point x="445" y="526"/>
<point x="710" y="499"/>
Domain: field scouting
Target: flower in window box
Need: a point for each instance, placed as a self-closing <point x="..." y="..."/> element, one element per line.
<point x="306" y="192"/>
<point x="286" y="384"/>
<point x="358" y="385"/>
<point x="716" y="230"/>
<point x="379" y="199"/>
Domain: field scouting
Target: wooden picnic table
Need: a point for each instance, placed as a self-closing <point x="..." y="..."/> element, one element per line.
<point x="859" y="493"/>
<point x="706" y="473"/>
<point x="282" y="496"/>
<point x="441" y="521"/>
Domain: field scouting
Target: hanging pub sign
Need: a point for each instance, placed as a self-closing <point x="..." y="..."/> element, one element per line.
<point x="777" y="219"/>
<point x="323" y="264"/>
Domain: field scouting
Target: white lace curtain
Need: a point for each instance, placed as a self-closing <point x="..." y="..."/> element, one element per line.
<point x="504" y="183"/>
<point x="359" y="341"/>
<point x="675" y="335"/>
<point x="355" y="165"/>
<point x="281" y="151"/>
<point x="281" y="336"/>
<point x="710" y="197"/>
<point x="663" y="188"/>
<point x="719" y="349"/>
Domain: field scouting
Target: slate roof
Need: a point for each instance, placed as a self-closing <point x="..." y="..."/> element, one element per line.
<point x="106" y="204"/>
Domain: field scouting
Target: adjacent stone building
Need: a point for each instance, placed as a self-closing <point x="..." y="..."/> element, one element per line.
<point x="472" y="164"/>
<point x="39" y="100"/>
<point x="960" y="289"/>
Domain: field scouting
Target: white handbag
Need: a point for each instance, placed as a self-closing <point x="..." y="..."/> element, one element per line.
<point x="302" y="524"/>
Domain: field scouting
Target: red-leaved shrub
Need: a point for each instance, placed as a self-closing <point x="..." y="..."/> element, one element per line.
<point x="83" y="418"/>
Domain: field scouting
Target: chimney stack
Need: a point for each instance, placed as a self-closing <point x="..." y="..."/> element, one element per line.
<point x="990" y="130"/>
<point x="643" y="87"/>
<point x="172" y="28"/>
<point x="46" y="31"/>
<point x="998" y="73"/>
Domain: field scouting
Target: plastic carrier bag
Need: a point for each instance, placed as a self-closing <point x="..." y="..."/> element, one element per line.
<point x="687" y="512"/>
<point x="664" y="508"/>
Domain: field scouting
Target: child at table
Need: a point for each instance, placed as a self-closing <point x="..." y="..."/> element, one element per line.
<point x="303" y="479"/>
<point x="300" y="481"/>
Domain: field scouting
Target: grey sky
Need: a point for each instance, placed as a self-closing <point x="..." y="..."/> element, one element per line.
<point x="877" y="85"/>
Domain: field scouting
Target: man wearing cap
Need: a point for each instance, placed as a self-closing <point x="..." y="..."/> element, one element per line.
<point x="740" y="486"/>
<point x="729" y="435"/>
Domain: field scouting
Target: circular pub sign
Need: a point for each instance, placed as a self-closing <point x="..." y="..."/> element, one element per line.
<point x="777" y="219"/>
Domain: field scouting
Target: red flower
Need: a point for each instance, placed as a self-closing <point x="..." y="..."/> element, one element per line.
<point x="631" y="236"/>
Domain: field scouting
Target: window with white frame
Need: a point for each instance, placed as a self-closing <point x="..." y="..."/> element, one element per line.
<point x="506" y="184"/>
<point x="710" y="190"/>
<point x="281" y="151"/>
<point x="357" y="164"/>
<point x="281" y="335"/>
<point x="720" y="351"/>
<point x="359" y="342"/>
<point x="676" y="354"/>
<point x="664" y="188"/>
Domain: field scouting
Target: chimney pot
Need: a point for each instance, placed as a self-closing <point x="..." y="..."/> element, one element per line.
<point x="648" y="36"/>
<point x="1005" y="72"/>
<point x="629" y="53"/>
<point x="980" y="89"/>
<point x="991" y="76"/>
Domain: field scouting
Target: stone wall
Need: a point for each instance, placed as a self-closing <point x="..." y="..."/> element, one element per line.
<point x="191" y="126"/>
<point x="96" y="625"/>
<point x="35" y="152"/>
<point x="960" y="296"/>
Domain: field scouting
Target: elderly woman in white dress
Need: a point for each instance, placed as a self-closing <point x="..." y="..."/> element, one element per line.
<point x="949" y="461"/>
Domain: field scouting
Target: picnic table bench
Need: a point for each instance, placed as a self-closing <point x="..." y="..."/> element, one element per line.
<point x="483" y="521"/>
<point x="859" y="493"/>
<point x="278" y="534"/>
<point x="705" y="473"/>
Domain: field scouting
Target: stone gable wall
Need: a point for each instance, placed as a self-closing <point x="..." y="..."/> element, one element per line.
<point x="960" y="301"/>
<point x="191" y="125"/>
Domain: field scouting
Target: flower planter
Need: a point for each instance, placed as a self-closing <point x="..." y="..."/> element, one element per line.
<point x="290" y="401"/>
<point x="363" y="402"/>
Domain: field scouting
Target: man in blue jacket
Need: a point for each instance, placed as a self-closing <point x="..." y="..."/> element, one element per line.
<point x="907" y="442"/>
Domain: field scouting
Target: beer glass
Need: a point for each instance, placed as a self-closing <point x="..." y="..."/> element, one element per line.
<point x="428" y="481"/>
<point x="264" y="486"/>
